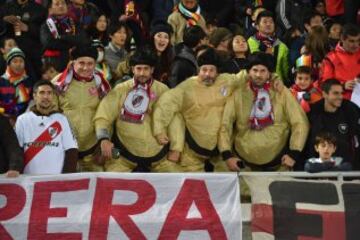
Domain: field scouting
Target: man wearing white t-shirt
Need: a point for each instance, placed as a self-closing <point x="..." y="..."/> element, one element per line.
<point x="45" y="135"/>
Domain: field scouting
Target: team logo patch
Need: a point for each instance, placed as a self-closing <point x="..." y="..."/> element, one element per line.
<point x="53" y="132"/>
<point x="343" y="128"/>
<point x="224" y="91"/>
<point x="135" y="106"/>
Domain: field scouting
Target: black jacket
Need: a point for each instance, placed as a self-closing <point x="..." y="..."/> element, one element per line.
<point x="11" y="155"/>
<point x="183" y="66"/>
<point x="221" y="11"/>
<point x="343" y="124"/>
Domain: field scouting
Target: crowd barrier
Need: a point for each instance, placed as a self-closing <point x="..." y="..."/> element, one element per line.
<point x="285" y="205"/>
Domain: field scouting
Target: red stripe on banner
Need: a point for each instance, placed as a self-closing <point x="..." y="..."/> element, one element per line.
<point x="333" y="225"/>
<point x="46" y="136"/>
<point x="333" y="222"/>
<point x="262" y="218"/>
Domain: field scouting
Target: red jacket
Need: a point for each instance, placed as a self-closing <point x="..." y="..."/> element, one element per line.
<point x="313" y="95"/>
<point x="340" y="65"/>
<point x="334" y="7"/>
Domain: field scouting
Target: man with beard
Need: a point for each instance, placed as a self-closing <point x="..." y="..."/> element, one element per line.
<point x="268" y="129"/>
<point x="200" y="100"/>
<point x="127" y="112"/>
<point x="45" y="135"/>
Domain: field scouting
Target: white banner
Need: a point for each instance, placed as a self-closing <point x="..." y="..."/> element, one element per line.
<point x="120" y="206"/>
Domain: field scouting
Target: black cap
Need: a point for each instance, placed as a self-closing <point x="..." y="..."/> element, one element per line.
<point x="209" y="57"/>
<point x="144" y="56"/>
<point x="161" y="26"/>
<point x="261" y="58"/>
<point x="84" y="51"/>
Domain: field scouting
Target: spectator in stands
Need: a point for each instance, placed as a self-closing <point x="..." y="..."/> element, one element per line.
<point x="11" y="156"/>
<point x="334" y="29"/>
<point x="15" y="85"/>
<point x="23" y="19"/>
<point x="319" y="7"/>
<point x="314" y="51"/>
<point x="126" y="113"/>
<point x="184" y="64"/>
<point x="48" y="72"/>
<point x="6" y="44"/>
<point x="291" y="13"/>
<point x="82" y="12"/>
<point x="117" y="51"/>
<point x="220" y="40"/>
<point x="243" y="13"/>
<point x="239" y="49"/>
<point x="304" y="90"/>
<point x="101" y="64"/>
<point x="59" y="34"/>
<point x="187" y="13"/>
<point x="338" y="116"/>
<point x="270" y="131"/>
<point x="343" y="63"/>
<point x="335" y="9"/>
<point x="200" y="100"/>
<point x="160" y="36"/>
<point x="311" y="20"/>
<point x="266" y="41"/>
<point x="325" y="146"/>
<point x="80" y="90"/>
<point x="45" y="135"/>
<point x="98" y="29"/>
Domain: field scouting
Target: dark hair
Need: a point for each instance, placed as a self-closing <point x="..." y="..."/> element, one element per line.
<point x="325" y="137"/>
<point x="116" y="26"/>
<point x="42" y="83"/>
<point x="310" y="15"/>
<point x="303" y="70"/>
<point x="193" y="35"/>
<point x="326" y="86"/>
<point x="49" y="3"/>
<point x="261" y="58"/>
<point x="263" y="14"/>
<point x="47" y="66"/>
<point x="350" y="29"/>
<point x="94" y="33"/>
<point x="4" y="39"/>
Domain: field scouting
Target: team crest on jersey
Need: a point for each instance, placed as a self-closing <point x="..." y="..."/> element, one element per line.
<point x="343" y="128"/>
<point x="53" y="132"/>
<point x="135" y="106"/>
<point x="224" y="91"/>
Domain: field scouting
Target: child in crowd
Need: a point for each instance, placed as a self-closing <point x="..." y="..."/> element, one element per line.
<point x="303" y="89"/>
<point x="325" y="145"/>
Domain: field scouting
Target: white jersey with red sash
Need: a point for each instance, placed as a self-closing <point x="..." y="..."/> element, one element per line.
<point x="44" y="140"/>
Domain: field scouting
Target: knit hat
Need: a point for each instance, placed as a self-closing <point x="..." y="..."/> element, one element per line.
<point x="261" y="58"/>
<point x="161" y="26"/>
<point x="144" y="56"/>
<point x="96" y="43"/>
<point x="14" y="52"/>
<point x="84" y="51"/>
<point x="209" y="57"/>
<point x="218" y="35"/>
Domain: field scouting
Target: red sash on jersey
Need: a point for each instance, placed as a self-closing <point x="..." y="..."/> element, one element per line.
<point x="49" y="134"/>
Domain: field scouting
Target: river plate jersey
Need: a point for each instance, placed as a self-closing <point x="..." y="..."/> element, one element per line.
<point x="44" y="140"/>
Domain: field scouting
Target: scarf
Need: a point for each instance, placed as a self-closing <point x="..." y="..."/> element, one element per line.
<point x="105" y="70"/>
<point x="63" y="82"/>
<point x="80" y="15"/>
<point x="261" y="114"/>
<point x="192" y="17"/>
<point x="137" y="102"/>
<point x="60" y="25"/>
<point x="268" y="42"/>
<point x="22" y="93"/>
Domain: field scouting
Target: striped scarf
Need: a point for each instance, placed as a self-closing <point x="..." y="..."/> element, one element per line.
<point x="105" y="70"/>
<point x="192" y="18"/>
<point x="67" y="76"/>
<point x="22" y="93"/>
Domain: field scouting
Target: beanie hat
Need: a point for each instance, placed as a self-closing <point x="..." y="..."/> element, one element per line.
<point x="219" y="35"/>
<point x="14" y="52"/>
<point x="144" y="56"/>
<point x="84" y="51"/>
<point x="161" y="26"/>
<point x="209" y="57"/>
<point x="96" y="43"/>
<point x="261" y="58"/>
